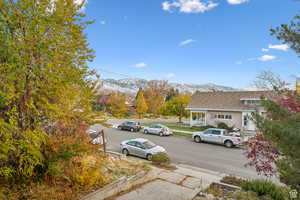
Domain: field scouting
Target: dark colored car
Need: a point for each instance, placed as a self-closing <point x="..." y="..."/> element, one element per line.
<point x="130" y="126"/>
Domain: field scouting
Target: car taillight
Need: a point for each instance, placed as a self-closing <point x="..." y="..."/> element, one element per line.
<point x="238" y="139"/>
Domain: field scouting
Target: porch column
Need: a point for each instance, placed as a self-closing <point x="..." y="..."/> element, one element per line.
<point x="205" y="118"/>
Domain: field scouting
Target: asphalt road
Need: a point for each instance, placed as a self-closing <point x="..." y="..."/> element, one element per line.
<point x="184" y="151"/>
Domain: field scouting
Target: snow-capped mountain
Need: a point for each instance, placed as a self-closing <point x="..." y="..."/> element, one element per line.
<point x="131" y="85"/>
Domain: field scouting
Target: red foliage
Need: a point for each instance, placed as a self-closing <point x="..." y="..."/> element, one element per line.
<point x="291" y="102"/>
<point x="262" y="155"/>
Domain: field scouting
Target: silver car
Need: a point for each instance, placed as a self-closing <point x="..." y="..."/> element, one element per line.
<point x="218" y="136"/>
<point x="141" y="147"/>
<point x="158" y="129"/>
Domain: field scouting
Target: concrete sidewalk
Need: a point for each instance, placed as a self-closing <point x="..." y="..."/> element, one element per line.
<point x="184" y="183"/>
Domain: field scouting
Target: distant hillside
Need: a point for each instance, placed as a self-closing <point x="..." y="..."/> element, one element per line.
<point x="131" y="85"/>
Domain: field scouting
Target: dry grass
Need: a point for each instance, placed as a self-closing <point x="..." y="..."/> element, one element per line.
<point x="233" y="180"/>
<point x="87" y="175"/>
<point x="165" y="166"/>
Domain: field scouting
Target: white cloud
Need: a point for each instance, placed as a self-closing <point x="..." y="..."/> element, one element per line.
<point x="185" y="42"/>
<point x="189" y="6"/>
<point x="264" y="50"/>
<point x="170" y="75"/>
<point x="282" y="47"/>
<point x="235" y="2"/>
<point x="266" y="58"/>
<point x="167" y="6"/>
<point x="140" y="65"/>
<point x="103" y="22"/>
<point x="239" y="62"/>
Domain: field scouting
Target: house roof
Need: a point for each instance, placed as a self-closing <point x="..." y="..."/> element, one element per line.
<point x="224" y="100"/>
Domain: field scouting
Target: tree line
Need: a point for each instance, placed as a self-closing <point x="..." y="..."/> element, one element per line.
<point x="158" y="98"/>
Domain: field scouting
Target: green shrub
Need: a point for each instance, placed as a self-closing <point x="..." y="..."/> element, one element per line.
<point x="161" y="158"/>
<point x="265" y="188"/>
<point x="223" y="125"/>
<point x="208" y="126"/>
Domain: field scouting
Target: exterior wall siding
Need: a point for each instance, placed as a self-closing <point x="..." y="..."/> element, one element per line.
<point x="236" y="120"/>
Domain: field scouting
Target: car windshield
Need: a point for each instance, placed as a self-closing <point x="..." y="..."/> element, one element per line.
<point x="149" y="145"/>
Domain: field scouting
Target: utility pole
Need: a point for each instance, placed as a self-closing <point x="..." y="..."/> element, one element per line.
<point x="104" y="142"/>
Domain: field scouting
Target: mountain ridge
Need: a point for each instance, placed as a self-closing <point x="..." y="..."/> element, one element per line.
<point x="131" y="85"/>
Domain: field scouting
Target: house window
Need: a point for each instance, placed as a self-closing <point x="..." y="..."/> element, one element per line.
<point x="221" y="116"/>
<point x="228" y="117"/>
<point x="251" y="102"/>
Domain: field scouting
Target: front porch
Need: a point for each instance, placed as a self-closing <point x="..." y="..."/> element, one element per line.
<point x="198" y="118"/>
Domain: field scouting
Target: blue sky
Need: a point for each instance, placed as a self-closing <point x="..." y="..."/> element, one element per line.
<point x="225" y="42"/>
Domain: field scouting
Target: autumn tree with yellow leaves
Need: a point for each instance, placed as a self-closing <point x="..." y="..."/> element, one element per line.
<point x="140" y="104"/>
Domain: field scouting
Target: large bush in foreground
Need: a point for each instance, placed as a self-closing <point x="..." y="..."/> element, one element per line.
<point x="45" y="91"/>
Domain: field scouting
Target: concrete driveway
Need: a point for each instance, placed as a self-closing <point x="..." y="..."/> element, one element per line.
<point x="184" y="151"/>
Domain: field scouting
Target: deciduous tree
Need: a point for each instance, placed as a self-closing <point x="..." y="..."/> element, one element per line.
<point x="44" y="80"/>
<point x="176" y="106"/>
<point x="276" y="148"/>
<point x="140" y="103"/>
<point x="155" y="95"/>
<point x="279" y="140"/>
<point x="117" y="104"/>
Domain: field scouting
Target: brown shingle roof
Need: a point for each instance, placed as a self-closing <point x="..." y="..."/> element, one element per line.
<point x="224" y="100"/>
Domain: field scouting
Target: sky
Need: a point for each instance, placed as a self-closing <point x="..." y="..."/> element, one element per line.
<point x="226" y="42"/>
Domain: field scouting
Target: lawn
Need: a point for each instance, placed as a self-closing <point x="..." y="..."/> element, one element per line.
<point x="182" y="134"/>
<point x="178" y="126"/>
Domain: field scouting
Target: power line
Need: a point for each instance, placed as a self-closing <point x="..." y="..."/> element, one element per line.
<point x="115" y="73"/>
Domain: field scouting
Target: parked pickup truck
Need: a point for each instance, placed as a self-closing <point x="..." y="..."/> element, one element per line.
<point x="219" y="136"/>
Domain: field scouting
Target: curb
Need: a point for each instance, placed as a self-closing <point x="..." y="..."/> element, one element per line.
<point x="207" y="171"/>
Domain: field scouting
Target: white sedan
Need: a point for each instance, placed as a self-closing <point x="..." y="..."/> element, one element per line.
<point x="141" y="147"/>
<point x="158" y="129"/>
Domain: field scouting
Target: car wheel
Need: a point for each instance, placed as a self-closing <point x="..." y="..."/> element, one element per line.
<point x="228" y="144"/>
<point x="197" y="139"/>
<point x="146" y="132"/>
<point x="125" y="151"/>
<point x="149" y="157"/>
<point x="161" y="134"/>
<point x="131" y="129"/>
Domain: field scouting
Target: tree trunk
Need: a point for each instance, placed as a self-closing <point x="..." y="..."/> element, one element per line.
<point x="180" y="114"/>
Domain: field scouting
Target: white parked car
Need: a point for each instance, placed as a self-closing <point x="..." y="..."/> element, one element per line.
<point x="141" y="147"/>
<point x="95" y="137"/>
<point x="219" y="136"/>
<point x="158" y="129"/>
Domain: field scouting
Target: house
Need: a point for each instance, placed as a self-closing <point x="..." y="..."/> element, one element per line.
<point x="234" y="108"/>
